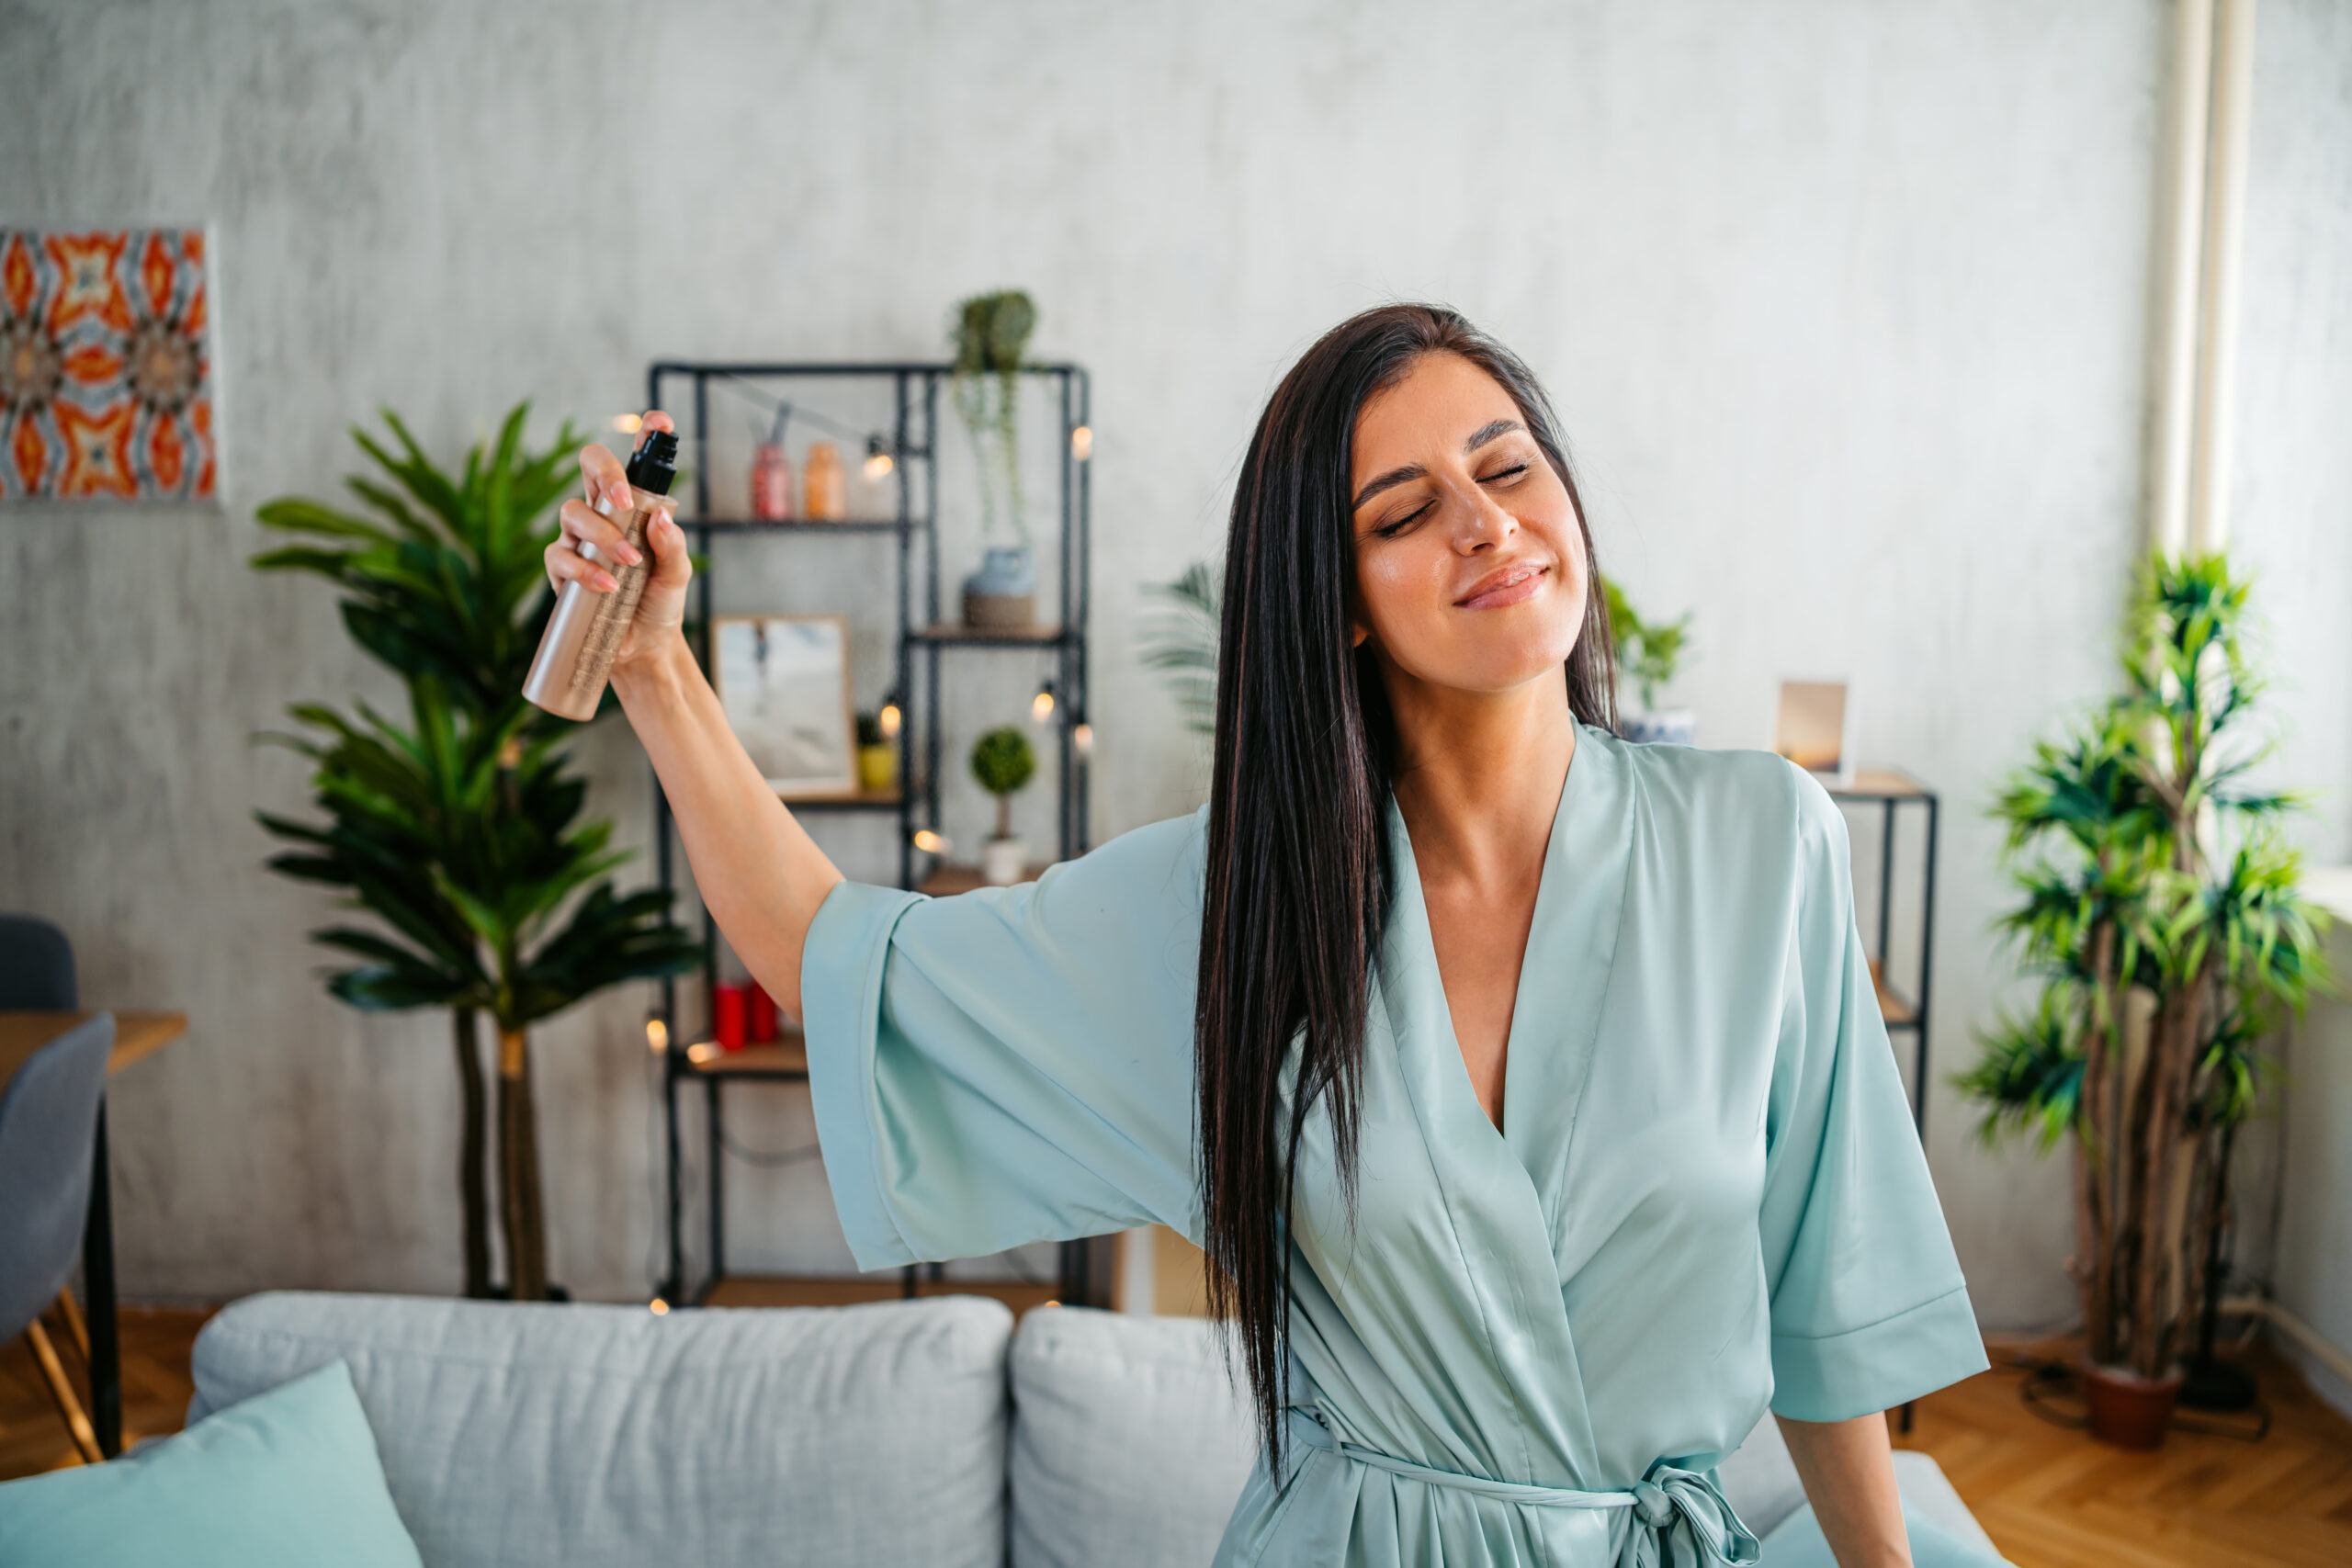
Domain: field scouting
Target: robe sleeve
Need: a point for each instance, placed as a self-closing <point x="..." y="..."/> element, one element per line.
<point x="1869" y="1308"/>
<point x="1012" y="1064"/>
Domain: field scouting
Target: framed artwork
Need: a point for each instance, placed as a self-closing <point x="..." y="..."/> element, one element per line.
<point x="106" y="374"/>
<point x="1815" y="729"/>
<point x="783" y="681"/>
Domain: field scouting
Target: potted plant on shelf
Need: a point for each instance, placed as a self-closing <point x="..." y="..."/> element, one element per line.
<point x="460" y="828"/>
<point x="1651" y="653"/>
<point x="1003" y="762"/>
<point x="2162" y="914"/>
<point x="990" y="333"/>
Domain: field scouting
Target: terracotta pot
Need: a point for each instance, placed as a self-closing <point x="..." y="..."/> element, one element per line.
<point x="2127" y="1409"/>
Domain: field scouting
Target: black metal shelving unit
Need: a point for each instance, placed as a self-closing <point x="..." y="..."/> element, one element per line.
<point x="925" y="639"/>
<point x="1890" y="790"/>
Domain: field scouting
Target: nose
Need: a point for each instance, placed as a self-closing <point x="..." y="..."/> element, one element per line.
<point x="1487" y="526"/>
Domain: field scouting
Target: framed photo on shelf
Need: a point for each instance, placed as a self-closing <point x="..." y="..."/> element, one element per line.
<point x="783" y="681"/>
<point x="1815" y="729"/>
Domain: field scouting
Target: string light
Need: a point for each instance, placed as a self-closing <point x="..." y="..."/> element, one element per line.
<point x="888" y="719"/>
<point x="702" y="1053"/>
<point x="657" y="1036"/>
<point x="878" y="461"/>
<point x="1041" y="707"/>
<point x="932" y="843"/>
<point x="1081" y="442"/>
<point x="659" y="1307"/>
<point x="1082" y="737"/>
<point x="627" y="423"/>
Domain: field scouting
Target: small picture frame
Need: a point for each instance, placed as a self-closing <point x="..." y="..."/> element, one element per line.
<point x="1815" y="729"/>
<point x="783" y="681"/>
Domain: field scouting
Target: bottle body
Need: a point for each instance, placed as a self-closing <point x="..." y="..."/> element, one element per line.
<point x="585" y="634"/>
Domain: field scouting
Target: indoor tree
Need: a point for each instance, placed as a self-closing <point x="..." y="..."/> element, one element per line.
<point x="459" y="830"/>
<point x="2160" y="909"/>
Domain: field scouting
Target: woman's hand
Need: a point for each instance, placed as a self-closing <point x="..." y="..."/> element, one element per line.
<point x="591" y="541"/>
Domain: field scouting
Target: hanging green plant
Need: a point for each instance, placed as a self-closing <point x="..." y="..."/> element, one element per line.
<point x="991" y="334"/>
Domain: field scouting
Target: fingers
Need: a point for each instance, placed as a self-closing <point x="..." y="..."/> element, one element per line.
<point x="596" y="535"/>
<point x="673" y="564"/>
<point x="604" y="478"/>
<point x="568" y="565"/>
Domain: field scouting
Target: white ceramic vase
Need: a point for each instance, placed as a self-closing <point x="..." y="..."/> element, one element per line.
<point x="1003" y="862"/>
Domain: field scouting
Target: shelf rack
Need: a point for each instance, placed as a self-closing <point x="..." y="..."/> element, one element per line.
<point x="924" y="640"/>
<point x="1890" y="790"/>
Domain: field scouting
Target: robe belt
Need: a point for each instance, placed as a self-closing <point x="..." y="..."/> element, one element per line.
<point x="1681" y="1518"/>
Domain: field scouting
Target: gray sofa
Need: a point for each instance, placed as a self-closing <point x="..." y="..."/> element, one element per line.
<point x="919" y="1433"/>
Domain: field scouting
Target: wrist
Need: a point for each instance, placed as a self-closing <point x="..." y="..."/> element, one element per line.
<point x="656" y="674"/>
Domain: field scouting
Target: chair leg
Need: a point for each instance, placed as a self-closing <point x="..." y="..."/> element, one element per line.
<point x="74" y="1324"/>
<point x="77" y="1421"/>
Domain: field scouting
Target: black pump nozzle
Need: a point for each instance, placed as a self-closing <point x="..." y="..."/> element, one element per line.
<point x="655" y="464"/>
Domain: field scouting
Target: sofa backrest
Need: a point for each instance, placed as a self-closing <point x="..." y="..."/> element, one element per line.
<point x="1129" y="1443"/>
<point x="586" y="1436"/>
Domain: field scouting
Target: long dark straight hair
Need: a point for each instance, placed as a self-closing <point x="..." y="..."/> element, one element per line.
<point x="1298" y="875"/>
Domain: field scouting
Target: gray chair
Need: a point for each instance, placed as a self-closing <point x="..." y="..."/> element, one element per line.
<point x="48" y="1122"/>
<point x="36" y="966"/>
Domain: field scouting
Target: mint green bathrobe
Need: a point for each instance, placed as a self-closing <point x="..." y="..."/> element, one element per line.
<point x="1534" y="1344"/>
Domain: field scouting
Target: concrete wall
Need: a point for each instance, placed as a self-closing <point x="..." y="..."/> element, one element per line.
<point x="1844" y="304"/>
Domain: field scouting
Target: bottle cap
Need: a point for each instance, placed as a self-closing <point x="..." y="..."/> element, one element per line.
<point x="655" y="464"/>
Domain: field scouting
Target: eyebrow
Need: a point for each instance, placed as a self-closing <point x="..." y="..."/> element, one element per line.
<point x="1490" y="431"/>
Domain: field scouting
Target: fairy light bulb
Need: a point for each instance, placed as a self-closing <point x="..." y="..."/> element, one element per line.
<point x="627" y="423"/>
<point x="1081" y="442"/>
<point x="1082" y="737"/>
<point x="1041" y="707"/>
<point x="889" y="718"/>
<point x="657" y="1036"/>
<point x="878" y="461"/>
<point x="659" y="1307"/>
<point x="932" y="843"/>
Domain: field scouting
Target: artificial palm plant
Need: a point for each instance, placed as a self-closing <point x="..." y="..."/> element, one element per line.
<point x="460" y="829"/>
<point x="2161" y="911"/>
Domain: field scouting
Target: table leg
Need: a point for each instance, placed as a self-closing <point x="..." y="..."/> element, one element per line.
<point x="97" y="1278"/>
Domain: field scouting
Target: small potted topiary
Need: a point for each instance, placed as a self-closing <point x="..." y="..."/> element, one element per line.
<point x="1003" y="762"/>
<point x="1650" y="653"/>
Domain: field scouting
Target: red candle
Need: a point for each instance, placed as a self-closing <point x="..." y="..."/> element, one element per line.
<point x="730" y="1002"/>
<point x="763" y="1015"/>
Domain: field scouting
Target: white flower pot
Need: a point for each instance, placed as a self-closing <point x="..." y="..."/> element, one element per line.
<point x="1003" y="862"/>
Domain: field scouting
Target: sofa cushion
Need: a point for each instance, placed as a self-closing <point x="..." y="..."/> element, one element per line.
<point x="1129" y="1444"/>
<point x="287" y="1479"/>
<point x="520" y="1435"/>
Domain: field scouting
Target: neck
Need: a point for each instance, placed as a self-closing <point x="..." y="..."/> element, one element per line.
<point x="1481" y="771"/>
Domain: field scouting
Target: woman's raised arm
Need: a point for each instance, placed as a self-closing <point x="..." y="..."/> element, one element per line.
<point x="760" y="875"/>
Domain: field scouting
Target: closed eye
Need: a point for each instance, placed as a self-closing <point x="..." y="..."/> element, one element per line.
<point x="1390" y="530"/>
<point x="1514" y="471"/>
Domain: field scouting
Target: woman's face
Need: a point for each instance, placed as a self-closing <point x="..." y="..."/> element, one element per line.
<point x="1470" y="569"/>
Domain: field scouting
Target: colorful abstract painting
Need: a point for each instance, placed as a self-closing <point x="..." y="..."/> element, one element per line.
<point x="105" y="380"/>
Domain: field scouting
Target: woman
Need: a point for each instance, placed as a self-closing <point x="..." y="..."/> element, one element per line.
<point x="1560" y="1055"/>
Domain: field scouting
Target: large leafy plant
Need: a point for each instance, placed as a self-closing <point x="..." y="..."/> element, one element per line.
<point x="2160" y="909"/>
<point x="458" y="827"/>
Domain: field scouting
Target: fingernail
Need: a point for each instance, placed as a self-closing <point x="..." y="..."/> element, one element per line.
<point x="620" y="497"/>
<point x="607" y="583"/>
<point x="629" y="553"/>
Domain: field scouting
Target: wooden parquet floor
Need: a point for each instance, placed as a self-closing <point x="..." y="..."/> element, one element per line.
<point x="2054" y="1498"/>
<point x="155" y="1388"/>
<point x="2049" y="1496"/>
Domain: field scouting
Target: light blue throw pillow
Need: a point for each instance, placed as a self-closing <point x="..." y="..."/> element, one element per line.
<point x="1797" y="1542"/>
<point x="287" y="1478"/>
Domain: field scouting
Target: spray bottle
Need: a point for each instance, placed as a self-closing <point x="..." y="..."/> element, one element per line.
<point x="585" y="634"/>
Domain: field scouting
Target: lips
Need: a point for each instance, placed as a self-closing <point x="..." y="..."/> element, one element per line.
<point x="1504" y="585"/>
